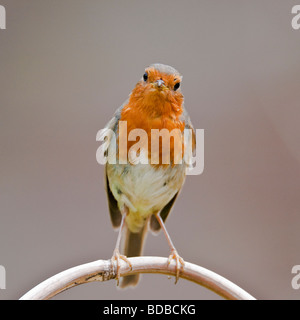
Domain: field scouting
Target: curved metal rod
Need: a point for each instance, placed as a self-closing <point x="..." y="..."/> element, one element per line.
<point x="103" y="270"/>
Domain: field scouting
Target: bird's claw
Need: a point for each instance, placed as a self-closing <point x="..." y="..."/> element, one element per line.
<point x="179" y="263"/>
<point x="117" y="257"/>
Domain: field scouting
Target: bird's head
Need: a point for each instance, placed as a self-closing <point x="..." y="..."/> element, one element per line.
<point x="158" y="89"/>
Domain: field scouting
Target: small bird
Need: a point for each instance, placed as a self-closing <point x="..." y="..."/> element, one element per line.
<point x="141" y="195"/>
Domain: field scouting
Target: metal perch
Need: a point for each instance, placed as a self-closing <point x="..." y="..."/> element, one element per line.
<point x="103" y="270"/>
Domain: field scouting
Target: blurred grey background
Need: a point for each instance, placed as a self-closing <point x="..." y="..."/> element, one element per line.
<point x="67" y="65"/>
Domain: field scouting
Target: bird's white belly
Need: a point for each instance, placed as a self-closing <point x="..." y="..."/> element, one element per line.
<point x="143" y="188"/>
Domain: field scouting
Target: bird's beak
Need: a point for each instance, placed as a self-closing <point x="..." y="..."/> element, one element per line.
<point x="160" y="83"/>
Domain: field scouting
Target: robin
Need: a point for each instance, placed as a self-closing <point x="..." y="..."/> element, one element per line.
<point x="141" y="195"/>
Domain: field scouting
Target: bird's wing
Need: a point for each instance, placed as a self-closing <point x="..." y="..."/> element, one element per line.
<point x="115" y="213"/>
<point x="154" y="224"/>
<point x="189" y="138"/>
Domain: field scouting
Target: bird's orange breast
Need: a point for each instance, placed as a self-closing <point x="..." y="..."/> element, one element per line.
<point x="154" y="112"/>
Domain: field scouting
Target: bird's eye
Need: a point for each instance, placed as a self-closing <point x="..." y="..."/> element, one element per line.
<point x="145" y="76"/>
<point x="176" y="86"/>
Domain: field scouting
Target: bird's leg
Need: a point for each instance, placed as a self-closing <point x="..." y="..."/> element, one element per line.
<point x="174" y="255"/>
<point x="116" y="254"/>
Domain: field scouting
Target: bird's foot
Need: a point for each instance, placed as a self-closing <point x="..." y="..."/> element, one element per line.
<point x="179" y="263"/>
<point x="117" y="257"/>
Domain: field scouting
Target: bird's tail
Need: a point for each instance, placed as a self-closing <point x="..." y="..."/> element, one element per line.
<point x="133" y="247"/>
